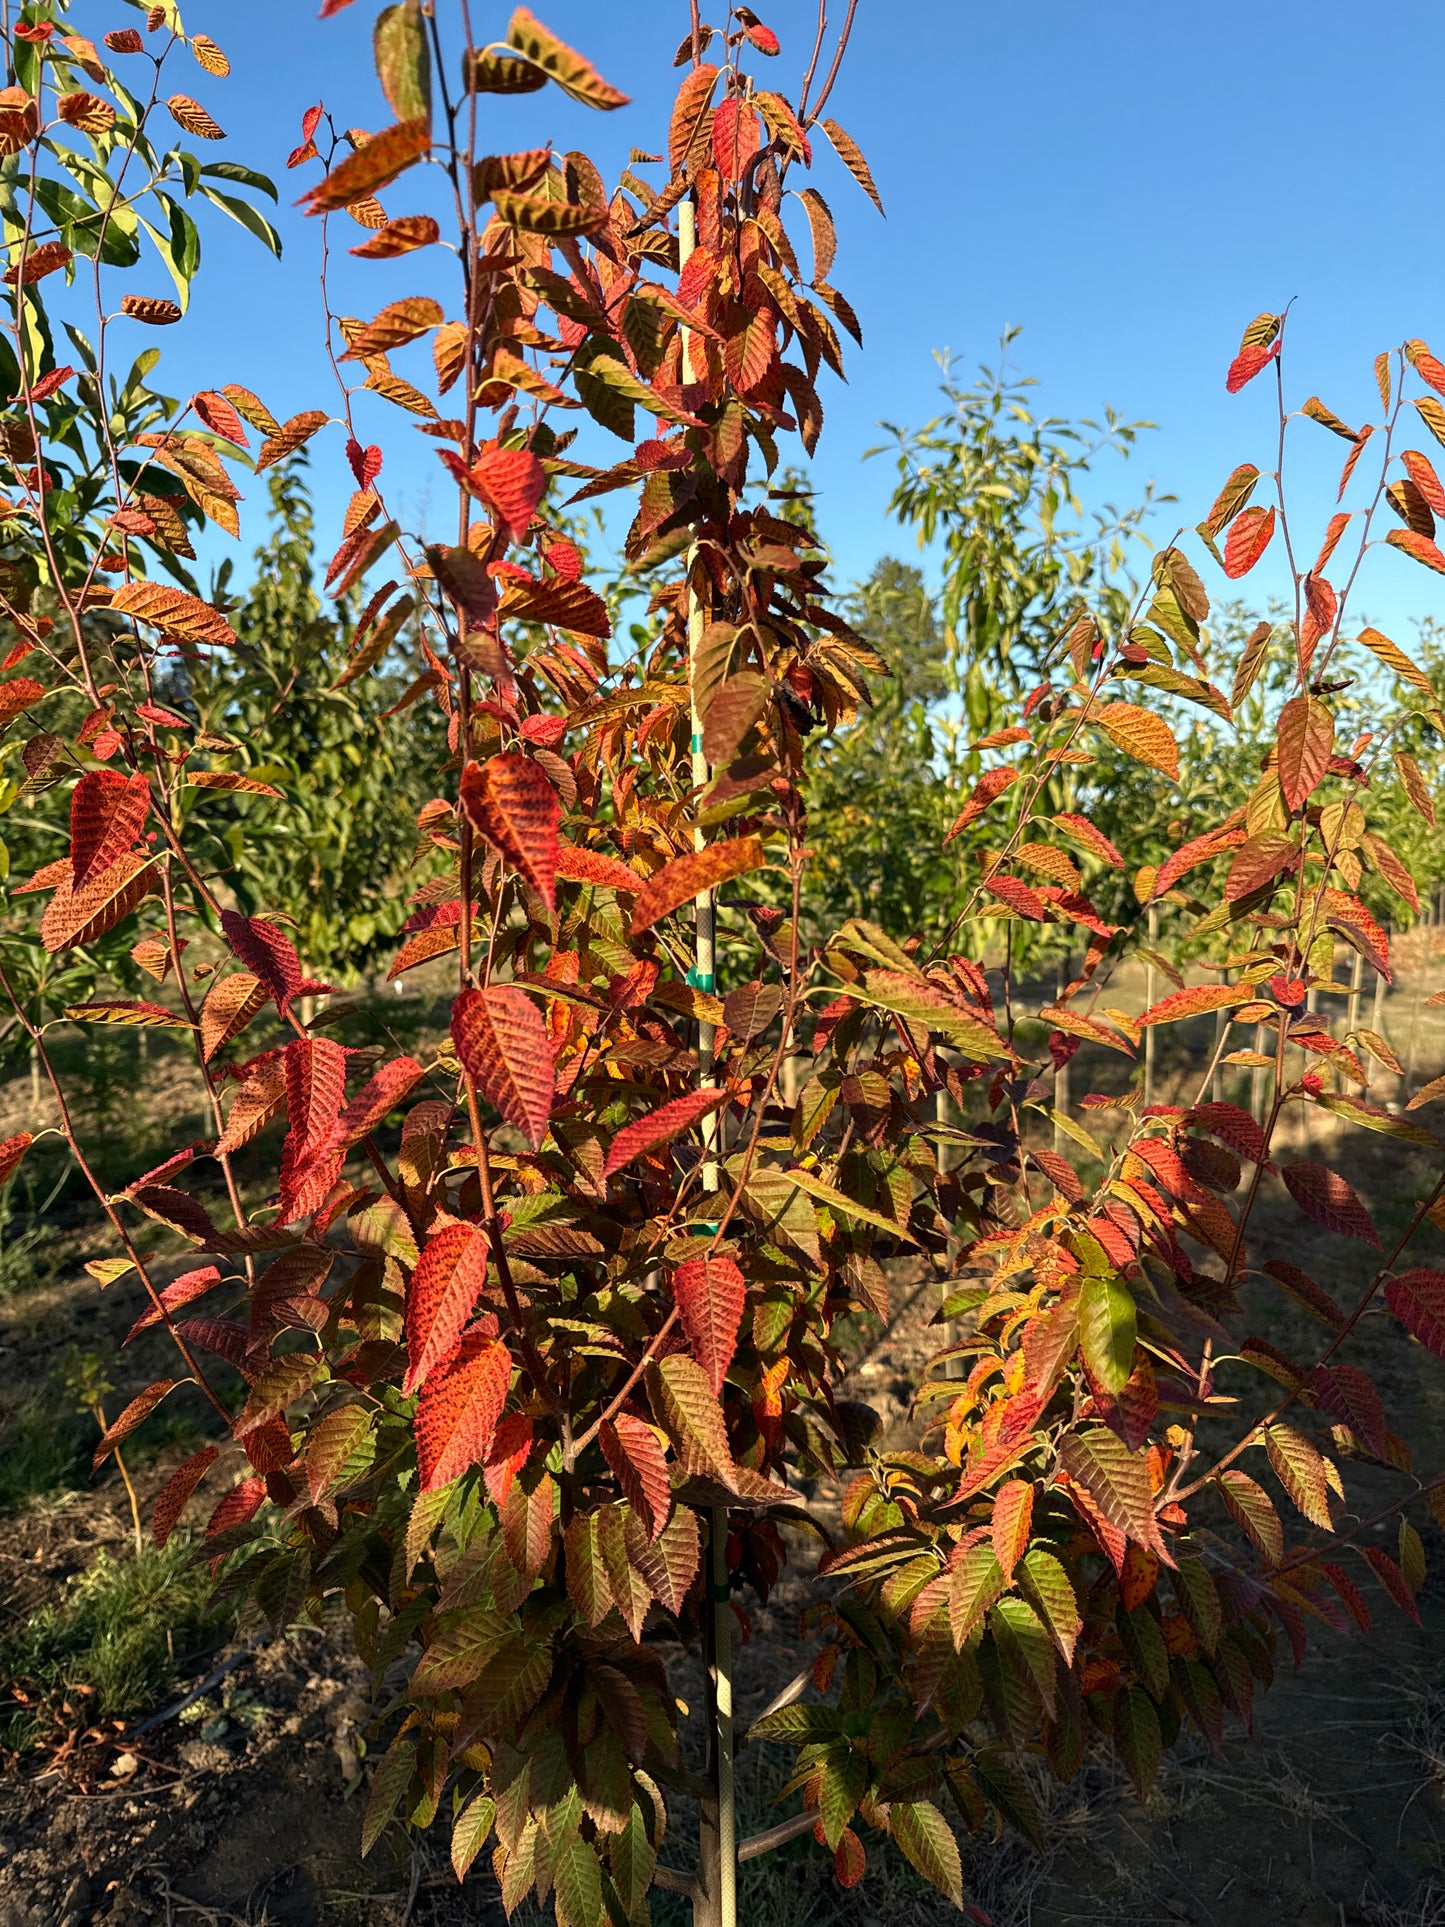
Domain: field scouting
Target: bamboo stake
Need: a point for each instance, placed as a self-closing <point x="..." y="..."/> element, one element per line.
<point x="1149" y="999"/>
<point x="721" y="1899"/>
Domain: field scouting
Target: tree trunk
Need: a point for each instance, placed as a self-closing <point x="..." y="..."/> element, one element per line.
<point x="715" y="1903"/>
<point x="1149" y="999"/>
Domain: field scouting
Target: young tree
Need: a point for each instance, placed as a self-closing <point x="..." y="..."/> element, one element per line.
<point x="545" y="1369"/>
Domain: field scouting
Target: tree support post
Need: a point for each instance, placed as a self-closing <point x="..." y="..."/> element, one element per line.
<point x="715" y="1904"/>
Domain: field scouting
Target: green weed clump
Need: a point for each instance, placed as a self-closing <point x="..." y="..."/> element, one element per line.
<point x="107" y="1648"/>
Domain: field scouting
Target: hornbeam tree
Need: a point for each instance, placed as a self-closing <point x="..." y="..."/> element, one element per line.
<point x="538" y="1340"/>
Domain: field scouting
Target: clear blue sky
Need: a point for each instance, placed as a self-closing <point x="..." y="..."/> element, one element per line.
<point x="1129" y="181"/>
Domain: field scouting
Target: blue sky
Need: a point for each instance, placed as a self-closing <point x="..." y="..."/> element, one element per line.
<point x="1128" y="181"/>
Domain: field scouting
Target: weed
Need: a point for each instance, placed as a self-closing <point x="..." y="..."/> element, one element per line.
<point x="107" y="1648"/>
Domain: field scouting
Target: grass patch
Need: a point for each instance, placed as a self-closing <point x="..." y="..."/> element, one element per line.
<point x="107" y="1648"/>
<point x="43" y="1450"/>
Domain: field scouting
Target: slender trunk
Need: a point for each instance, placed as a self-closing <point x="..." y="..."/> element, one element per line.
<point x="1221" y="1024"/>
<point x="34" y="1077"/>
<point x="1149" y="999"/>
<point x="1061" y="1075"/>
<point x="1257" y="1077"/>
<point x="716" y="1902"/>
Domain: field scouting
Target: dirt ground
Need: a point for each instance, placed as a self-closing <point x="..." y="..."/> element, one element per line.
<point x="248" y="1809"/>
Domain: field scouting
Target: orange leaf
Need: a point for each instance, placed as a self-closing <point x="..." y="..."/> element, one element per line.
<point x="457" y="1414"/>
<point x="510" y="802"/>
<point x="576" y="865"/>
<point x="504" y="1047"/>
<point x="1192" y="1001"/>
<point x="690" y="876"/>
<point x="1142" y="735"/>
<point x="174" y="611"/>
<point x="1013" y="1512"/>
<point x="710" y="1294"/>
<point x="382" y="158"/>
<point x="1248" y="538"/>
<point x="660" y="1127"/>
<point x="441" y="1297"/>
<point x="1419" y="546"/>
<point x="1306" y="742"/>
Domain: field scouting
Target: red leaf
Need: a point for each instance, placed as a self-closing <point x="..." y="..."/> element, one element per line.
<point x="12" y="1150"/>
<point x="710" y="1294"/>
<point x="1306" y="743"/>
<point x="240" y="1505"/>
<point x="380" y="1094"/>
<point x="182" y="1291"/>
<point x="510" y="802"/>
<point x="1392" y="1579"/>
<point x="1248" y="538"/>
<point x="366" y="463"/>
<point x="266" y="953"/>
<point x="502" y="1041"/>
<point x="989" y="786"/>
<point x="1018" y="897"/>
<point x="441" y="1297"/>
<point x="639" y="1463"/>
<point x="139" y="1409"/>
<point x="177" y="1491"/>
<point x="1248" y="362"/>
<point x="1231" y="1126"/>
<point x="457" y="1413"/>
<point x="513" y="482"/>
<point x="509" y="1452"/>
<point x="1417" y="1299"/>
<point x="660" y="1127"/>
<point x="1326" y="1197"/>
<point x="221" y="418"/>
<point x="1350" y="1394"/>
<point x="107" y="814"/>
<point x="1259" y="861"/>
<point x="315" y="1090"/>
<point x="735" y="138"/>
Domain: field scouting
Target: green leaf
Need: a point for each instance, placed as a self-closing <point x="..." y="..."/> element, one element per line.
<point x="976" y="1582"/>
<point x="403" y="60"/>
<point x="1137" y="1738"/>
<point x="684" y="1405"/>
<point x="927" y="1841"/>
<point x="392" y="1779"/>
<point x="844" y="1782"/>
<point x="1107" y="1320"/>
<point x="796" y="1725"/>
<point x="1049" y="1587"/>
<point x="829" y="1194"/>
<point x="241" y="176"/>
<point x="242" y="211"/>
<point x="1018" y="1627"/>
<point x="577" y="1882"/>
<point x="461" y="1651"/>
<point x="469" y="1832"/>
